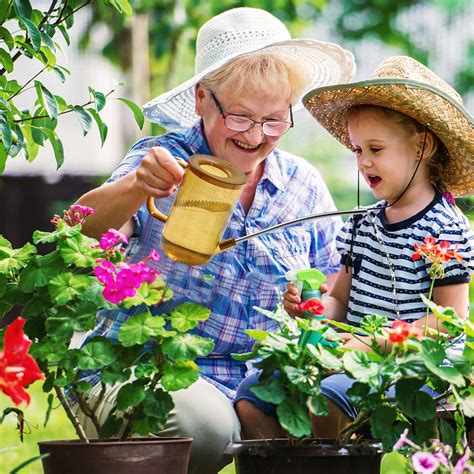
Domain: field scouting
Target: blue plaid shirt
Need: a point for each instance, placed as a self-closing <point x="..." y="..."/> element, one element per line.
<point x="250" y="274"/>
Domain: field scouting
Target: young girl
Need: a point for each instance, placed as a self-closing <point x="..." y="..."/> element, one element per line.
<point x="414" y="145"/>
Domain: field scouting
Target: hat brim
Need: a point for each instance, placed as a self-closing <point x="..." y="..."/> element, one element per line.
<point x="328" y="63"/>
<point x="445" y="117"/>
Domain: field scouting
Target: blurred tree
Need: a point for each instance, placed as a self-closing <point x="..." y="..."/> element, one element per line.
<point x="173" y="25"/>
<point x="31" y="34"/>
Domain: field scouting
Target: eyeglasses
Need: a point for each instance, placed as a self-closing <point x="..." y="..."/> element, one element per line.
<point x="238" y="123"/>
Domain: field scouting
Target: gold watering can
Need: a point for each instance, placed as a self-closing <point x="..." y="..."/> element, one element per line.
<point x="202" y="208"/>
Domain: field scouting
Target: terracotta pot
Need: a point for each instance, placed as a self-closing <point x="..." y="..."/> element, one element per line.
<point x="279" y="456"/>
<point x="137" y="456"/>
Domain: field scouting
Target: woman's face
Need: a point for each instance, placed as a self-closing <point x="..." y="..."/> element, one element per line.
<point x="245" y="150"/>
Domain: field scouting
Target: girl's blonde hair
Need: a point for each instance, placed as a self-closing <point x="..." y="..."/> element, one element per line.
<point x="438" y="162"/>
<point x="261" y="71"/>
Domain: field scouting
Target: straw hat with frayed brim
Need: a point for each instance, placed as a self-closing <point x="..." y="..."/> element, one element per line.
<point x="403" y="84"/>
<point x="240" y="32"/>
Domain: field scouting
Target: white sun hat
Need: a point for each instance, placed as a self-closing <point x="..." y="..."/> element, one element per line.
<point x="238" y="32"/>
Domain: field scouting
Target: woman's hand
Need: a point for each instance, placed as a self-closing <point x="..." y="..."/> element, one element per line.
<point x="158" y="174"/>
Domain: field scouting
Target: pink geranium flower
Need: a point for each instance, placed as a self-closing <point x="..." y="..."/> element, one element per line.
<point x="424" y="462"/>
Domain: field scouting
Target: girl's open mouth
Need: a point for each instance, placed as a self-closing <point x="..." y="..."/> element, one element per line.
<point x="373" y="180"/>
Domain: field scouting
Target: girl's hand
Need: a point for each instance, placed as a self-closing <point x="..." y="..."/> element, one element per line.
<point x="360" y="343"/>
<point x="291" y="299"/>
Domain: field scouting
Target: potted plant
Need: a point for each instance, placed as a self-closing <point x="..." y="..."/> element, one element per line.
<point x="59" y="292"/>
<point x="292" y="372"/>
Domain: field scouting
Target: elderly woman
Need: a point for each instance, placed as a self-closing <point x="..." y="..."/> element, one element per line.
<point x="249" y="76"/>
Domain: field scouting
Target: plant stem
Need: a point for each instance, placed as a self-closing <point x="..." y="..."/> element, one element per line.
<point x="346" y="433"/>
<point x="86" y="409"/>
<point x="430" y="294"/>
<point x="71" y="415"/>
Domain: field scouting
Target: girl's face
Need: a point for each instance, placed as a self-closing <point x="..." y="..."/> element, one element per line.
<point x="246" y="150"/>
<point x="386" y="155"/>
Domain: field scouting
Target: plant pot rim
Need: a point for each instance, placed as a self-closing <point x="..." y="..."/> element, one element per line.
<point x="321" y="446"/>
<point x="113" y="441"/>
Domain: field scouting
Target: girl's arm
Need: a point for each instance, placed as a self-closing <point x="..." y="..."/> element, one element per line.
<point x="335" y="301"/>
<point x="455" y="296"/>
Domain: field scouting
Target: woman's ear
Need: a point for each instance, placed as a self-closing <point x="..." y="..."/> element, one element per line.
<point x="427" y="145"/>
<point x="199" y="96"/>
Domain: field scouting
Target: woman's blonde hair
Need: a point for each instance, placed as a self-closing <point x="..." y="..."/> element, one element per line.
<point x="438" y="162"/>
<point x="261" y="71"/>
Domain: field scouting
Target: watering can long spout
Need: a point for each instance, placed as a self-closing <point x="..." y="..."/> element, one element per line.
<point x="229" y="243"/>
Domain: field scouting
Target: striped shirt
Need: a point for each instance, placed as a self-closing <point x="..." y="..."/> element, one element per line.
<point x="248" y="275"/>
<point x="384" y="276"/>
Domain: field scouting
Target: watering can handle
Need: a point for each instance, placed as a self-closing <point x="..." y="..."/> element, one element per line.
<point x="150" y="202"/>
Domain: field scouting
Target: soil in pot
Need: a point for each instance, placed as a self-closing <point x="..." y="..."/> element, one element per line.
<point x="137" y="456"/>
<point x="310" y="456"/>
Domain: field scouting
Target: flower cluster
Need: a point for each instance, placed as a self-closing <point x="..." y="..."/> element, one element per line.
<point x="122" y="280"/>
<point x="313" y="305"/>
<point x="435" y="458"/>
<point x="400" y="331"/>
<point x="76" y="214"/>
<point x="17" y="368"/>
<point x="436" y="254"/>
<point x="110" y="240"/>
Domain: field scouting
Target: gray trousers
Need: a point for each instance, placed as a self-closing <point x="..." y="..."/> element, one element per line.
<point x="201" y="412"/>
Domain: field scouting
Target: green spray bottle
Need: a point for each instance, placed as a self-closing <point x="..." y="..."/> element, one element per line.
<point x="308" y="283"/>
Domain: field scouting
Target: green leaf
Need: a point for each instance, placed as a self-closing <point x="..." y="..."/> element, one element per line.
<point x="138" y="329"/>
<point x="324" y="357"/>
<point x="318" y="405"/>
<point x="84" y="119"/>
<point x="382" y="420"/>
<point x="6" y="60"/>
<point x="271" y="391"/>
<point x="187" y="347"/>
<point x="123" y="6"/>
<point x="47" y="100"/>
<point x="60" y="327"/>
<point x="137" y="112"/>
<point x="23" y="8"/>
<point x="112" y="375"/>
<point x="111" y="427"/>
<point x="179" y="375"/>
<point x="65" y="287"/>
<point x="257" y="334"/>
<point x="158" y="404"/>
<point x="7" y="37"/>
<point x="129" y="396"/>
<point x="47" y="40"/>
<point x="99" y="99"/>
<point x="96" y="354"/>
<point x="78" y="251"/>
<point x="294" y="418"/>
<point x="414" y="402"/>
<point x="358" y="364"/>
<point x="33" y="32"/>
<point x="3" y="159"/>
<point x="65" y="34"/>
<point x="448" y="435"/>
<point x="57" y="147"/>
<point x="6" y="132"/>
<point x="149" y="294"/>
<point x="187" y="315"/>
<point x="395" y="463"/>
<point x="103" y="129"/>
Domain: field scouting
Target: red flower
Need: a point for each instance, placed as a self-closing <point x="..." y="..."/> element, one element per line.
<point x="17" y="368"/>
<point x="401" y="331"/>
<point x="313" y="305"/>
<point x="436" y="255"/>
